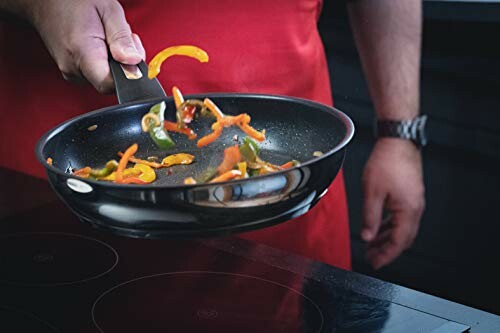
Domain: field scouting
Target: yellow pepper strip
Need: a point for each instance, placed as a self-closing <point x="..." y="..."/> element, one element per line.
<point x="185" y="50"/>
<point x="49" y="161"/>
<point x="130" y="172"/>
<point x="133" y="159"/>
<point x="177" y="159"/>
<point x="178" y="98"/>
<point x="231" y="174"/>
<point x="83" y="172"/>
<point x="146" y="123"/>
<point x="189" y="181"/>
<point x="242" y="166"/>
<point x="147" y="174"/>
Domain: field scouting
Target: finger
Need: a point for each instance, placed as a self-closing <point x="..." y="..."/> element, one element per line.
<point x="118" y="34"/>
<point x="391" y="247"/>
<point x="372" y="213"/>
<point x="139" y="46"/>
<point x="93" y="63"/>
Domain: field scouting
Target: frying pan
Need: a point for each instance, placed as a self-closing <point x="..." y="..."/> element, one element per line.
<point x="295" y="129"/>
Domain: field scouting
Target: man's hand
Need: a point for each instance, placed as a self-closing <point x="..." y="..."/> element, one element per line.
<point x="78" y="32"/>
<point x="392" y="181"/>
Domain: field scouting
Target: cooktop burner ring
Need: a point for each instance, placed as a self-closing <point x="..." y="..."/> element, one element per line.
<point x="208" y="313"/>
<point x="47" y="258"/>
<point x="28" y="318"/>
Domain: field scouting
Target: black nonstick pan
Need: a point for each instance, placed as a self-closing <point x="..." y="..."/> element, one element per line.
<point x="295" y="129"/>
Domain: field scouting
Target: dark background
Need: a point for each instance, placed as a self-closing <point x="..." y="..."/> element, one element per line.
<point x="456" y="254"/>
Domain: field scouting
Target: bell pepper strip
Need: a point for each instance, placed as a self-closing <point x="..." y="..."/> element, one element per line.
<point x="106" y="171"/>
<point x="177" y="159"/>
<point x="229" y="175"/>
<point x="242" y="166"/>
<point x="178" y="98"/>
<point x="249" y="150"/>
<point x="133" y="180"/>
<point x="213" y="108"/>
<point x="252" y="132"/>
<point x="185" y="50"/>
<point x="152" y="122"/>
<point x="123" y="162"/>
<point x="147" y="174"/>
<point x="161" y="138"/>
<point x="208" y="139"/>
<point x="189" y="181"/>
<point x="127" y="173"/>
<point x="232" y="157"/>
<point x="173" y="127"/>
<point x="289" y="164"/>
<point x="83" y="172"/>
<point x="149" y="120"/>
<point x="133" y="159"/>
<point x="49" y="161"/>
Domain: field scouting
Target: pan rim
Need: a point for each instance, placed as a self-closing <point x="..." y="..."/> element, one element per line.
<point x="45" y="138"/>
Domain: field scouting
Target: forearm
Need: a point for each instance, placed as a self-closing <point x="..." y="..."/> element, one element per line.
<point x="388" y="38"/>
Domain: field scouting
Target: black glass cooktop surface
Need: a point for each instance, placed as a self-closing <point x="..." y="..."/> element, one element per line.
<point x="59" y="275"/>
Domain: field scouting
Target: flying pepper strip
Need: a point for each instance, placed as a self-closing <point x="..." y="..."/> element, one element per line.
<point x="184" y="50"/>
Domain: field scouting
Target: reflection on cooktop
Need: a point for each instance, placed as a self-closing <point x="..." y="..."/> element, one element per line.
<point x="15" y="321"/>
<point x="52" y="259"/>
<point x="197" y="301"/>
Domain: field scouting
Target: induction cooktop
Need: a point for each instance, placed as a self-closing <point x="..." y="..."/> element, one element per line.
<point x="60" y="275"/>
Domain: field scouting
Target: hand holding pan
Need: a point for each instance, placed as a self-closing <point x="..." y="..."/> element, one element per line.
<point x="295" y="129"/>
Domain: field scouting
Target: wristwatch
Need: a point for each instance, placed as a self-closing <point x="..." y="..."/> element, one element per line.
<point x="413" y="129"/>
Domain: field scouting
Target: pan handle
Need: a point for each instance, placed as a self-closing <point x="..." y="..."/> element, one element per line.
<point x="132" y="83"/>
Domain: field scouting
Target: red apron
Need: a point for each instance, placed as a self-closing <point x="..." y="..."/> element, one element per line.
<point x="258" y="46"/>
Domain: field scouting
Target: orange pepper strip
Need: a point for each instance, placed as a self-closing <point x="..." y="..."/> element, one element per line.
<point x="83" y="172"/>
<point x="178" y="98"/>
<point x="138" y="160"/>
<point x="49" y="161"/>
<point x="133" y="180"/>
<point x="287" y="165"/>
<point x="208" y="139"/>
<point x="172" y="127"/>
<point x="123" y="162"/>
<point x="231" y="174"/>
<point x="232" y="156"/>
<point x="185" y="50"/>
<point x="213" y="108"/>
<point x="252" y="132"/>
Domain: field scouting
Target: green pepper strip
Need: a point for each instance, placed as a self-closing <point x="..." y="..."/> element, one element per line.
<point x="159" y="134"/>
<point x="249" y="149"/>
<point x="106" y="171"/>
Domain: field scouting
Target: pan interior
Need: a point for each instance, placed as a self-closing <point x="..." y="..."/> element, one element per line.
<point x="295" y="129"/>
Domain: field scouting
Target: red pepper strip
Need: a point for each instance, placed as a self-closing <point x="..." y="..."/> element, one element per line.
<point x="138" y="160"/>
<point x="123" y="162"/>
<point x="173" y="127"/>
<point x="232" y="156"/>
<point x="83" y="172"/>
<point x="188" y="114"/>
<point x="208" y="139"/>
<point x="231" y="174"/>
<point x="133" y="180"/>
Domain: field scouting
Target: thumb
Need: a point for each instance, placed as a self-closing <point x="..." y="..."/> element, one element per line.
<point x="118" y="34"/>
<point x="372" y="214"/>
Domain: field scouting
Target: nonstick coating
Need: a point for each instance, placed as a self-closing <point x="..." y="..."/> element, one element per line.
<point x="293" y="131"/>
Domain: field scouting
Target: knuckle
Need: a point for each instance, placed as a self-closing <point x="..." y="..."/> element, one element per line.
<point x="122" y="35"/>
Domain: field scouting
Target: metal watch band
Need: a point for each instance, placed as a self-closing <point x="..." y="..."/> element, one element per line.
<point x="413" y="130"/>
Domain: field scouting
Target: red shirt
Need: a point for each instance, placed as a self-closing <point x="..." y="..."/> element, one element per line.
<point x="257" y="46"/>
